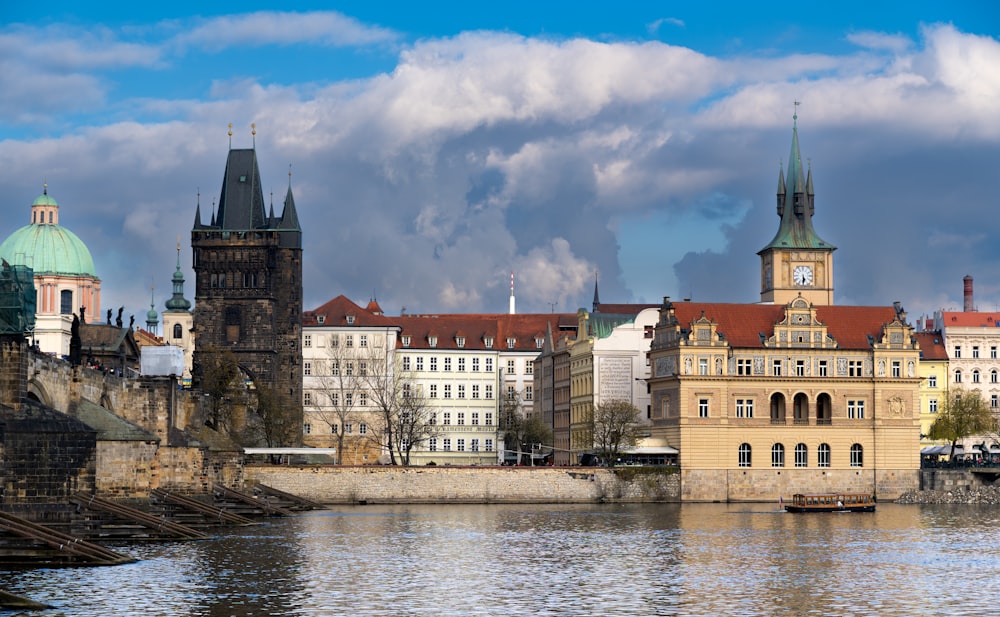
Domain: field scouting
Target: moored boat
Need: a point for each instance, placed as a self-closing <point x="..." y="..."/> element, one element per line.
<point x="832" y="502"/>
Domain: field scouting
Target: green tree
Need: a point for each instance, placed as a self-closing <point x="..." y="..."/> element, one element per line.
<point x="616" y="426"/>
<point x="964" y="414"/>
<point x="267" y="422"/>
<point x="522" y="433"/>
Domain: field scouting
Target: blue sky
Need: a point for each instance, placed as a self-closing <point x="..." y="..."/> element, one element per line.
<point x="437" y="146"/>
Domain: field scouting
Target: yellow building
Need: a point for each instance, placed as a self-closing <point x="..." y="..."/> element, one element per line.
<point x="792" y="395"/>
<point x="933" y="371"/>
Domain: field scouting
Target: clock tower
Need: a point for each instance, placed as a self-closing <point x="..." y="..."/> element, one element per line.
<point x="797" y="261"/>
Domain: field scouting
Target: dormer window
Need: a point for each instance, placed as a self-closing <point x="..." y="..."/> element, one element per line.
<point x="488" y="342"/>
<point x="511" y="341"/>
<point x="321" y="319"/>
<point x="350" y="320"/>
<point x="406" y="340"/>
<point x="539" y="341"/>
<point x="432" y="341"/>
<point x="460" y="341"/>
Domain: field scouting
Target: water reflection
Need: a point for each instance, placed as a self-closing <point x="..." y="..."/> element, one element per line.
<point x="696" y="559"/>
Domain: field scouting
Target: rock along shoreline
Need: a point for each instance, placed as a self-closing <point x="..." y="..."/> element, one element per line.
<point x="980" y="495"/>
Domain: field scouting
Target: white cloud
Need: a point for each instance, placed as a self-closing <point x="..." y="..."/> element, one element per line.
<point x="896" y="43"/>
<point x="327" y="28"/>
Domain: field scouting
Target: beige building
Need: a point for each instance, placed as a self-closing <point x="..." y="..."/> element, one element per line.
<point x="792" y="395"/>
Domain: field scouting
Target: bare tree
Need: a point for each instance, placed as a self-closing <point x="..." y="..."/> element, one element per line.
<point x="964" y="414"/>
<point x="221" y="383"/>
<point x="267" y="422"/>
<point x="341" y="389"/>
<point x="615" y="425"/>
<point x="402" y="418"/>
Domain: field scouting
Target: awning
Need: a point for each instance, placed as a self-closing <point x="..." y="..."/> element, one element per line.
<point x="941" y="450"/>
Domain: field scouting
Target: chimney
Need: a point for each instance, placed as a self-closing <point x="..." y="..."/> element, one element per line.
<point x="968" y="306"/>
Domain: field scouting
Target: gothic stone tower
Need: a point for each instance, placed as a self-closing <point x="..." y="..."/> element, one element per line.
<point x="248" y="283"/>
<point x="797" y="261"/>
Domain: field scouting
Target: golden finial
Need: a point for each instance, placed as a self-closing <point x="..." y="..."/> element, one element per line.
<point x="230" y="135"/>
<point x="253" y="133"/>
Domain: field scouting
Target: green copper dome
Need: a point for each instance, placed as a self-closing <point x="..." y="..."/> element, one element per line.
<point x="48" y="248"/>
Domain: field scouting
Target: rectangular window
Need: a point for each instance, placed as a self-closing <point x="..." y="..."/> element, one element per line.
<point x="461" y="365"/>
<point x="460" y="445"/>
<point x="334" y="340"/>
<point x="460" y="341"/>
<point x="958" y="352"/>
<point x="489" y="445"/>
<point x="475" y="418"/>
<point x="529" y="368"/>
<point x="975" y="351"/>
<point x="994" y="402"/>
<point x="475" y="391"/>
<point x="897" y="368"/>
<point x="363" y="340"/>
<point x="434" y="390"/>
<point x="348" y="399"/>
<point x="854" y="368"/>
<point x="406" y="340"/>
<point x="447" y="418"/>
<point x="363" y="399"/>
<point x="475" y="365"/>
<point x="511" y="392"/>
<point x="703" y="408"/>
<point x="489" y="391"/>
<point x="489" y="418"/>
<point x="461" y="418"/>
<point x="744" y="366"/>
<point x="776" y="367"/>
<point x="434" y="363"/>
<point x="447" y="444"/>
<point x="474" y="445"/>
<point x="461" y="390"/>
<point x="489" y="365"/>
<point x="333" y="429"/>
<point x="800" y="368"/>
<point x="420" y="363"/>
<point x="447" y="364"/>
<point x="511" y="341"/>
<point x="932" y="405"/>
<point x="511" y="367"/>
<point x="529" y="393"/>
<point x="703" y="366"/>
<point x="307" y="340"/>
<point x="334" y="399"/>
<point x="349" y="340"/>
<point x="432" y="444"/>
<point x="993" y="351"/>
<point x="307" y="368"/>
<point x="307" y="398"/>
<point x="363" y="428"/>
<point x="447" y="390"/>
<point x="406" y="363"/>
<point x="349" y="369"/>
<point x="744" y="408"/>
<point x="307" y="428"/>
<point x="823" y="368"/>
<point x="856" y="410"/>
<point x="932" y="381"/>
<point x="348" y="428"/>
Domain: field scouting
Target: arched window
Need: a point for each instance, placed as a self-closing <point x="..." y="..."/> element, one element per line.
<point x="777" y="408"/>
<point x="823" y="458"/>
<point x="824" y="409"/>
<point x="958" y="376"/>
<point x="993" y="376"/>
<point x="745" y="455"/>
<point x="857" y="456"/>
<point x="66" y="302"/>
<point x="801" y="455"/>
<point x="778" y="455"/>
<point x="975" y="376"/>
<point x="178" y="331"/>
<point x="801" y="408"/>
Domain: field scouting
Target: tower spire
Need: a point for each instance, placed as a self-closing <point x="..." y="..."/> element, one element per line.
<point x="596" y="306"/>
<point x="512" y="292"/>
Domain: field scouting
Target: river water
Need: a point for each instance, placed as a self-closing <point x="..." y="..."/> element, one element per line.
<point x="532" y="560"/>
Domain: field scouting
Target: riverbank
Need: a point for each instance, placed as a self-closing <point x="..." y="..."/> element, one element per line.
<point x="979" y="495"/>
<point x="415" y="485"/>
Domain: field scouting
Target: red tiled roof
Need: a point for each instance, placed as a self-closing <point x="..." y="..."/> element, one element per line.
<point x="931" y="346"/>
<point x="970" y="319"/>
<point x="742" y="324"/>
<point x="335" y="313"/>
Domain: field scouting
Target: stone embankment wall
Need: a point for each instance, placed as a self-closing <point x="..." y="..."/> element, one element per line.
<point x="330" y="484"/>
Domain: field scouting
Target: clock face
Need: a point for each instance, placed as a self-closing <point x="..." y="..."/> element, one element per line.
<point x="802" y="275"/>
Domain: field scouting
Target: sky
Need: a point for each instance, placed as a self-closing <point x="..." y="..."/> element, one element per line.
<point x="436" y="147"/>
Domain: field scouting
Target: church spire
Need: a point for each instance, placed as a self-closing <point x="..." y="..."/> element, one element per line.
<point x="596" y="306"/>
<point x="796" y="203"/>
<point x="178" y="302"/>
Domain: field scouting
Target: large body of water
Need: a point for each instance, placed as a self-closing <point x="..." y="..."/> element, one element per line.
<point x="531" y="560"/>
